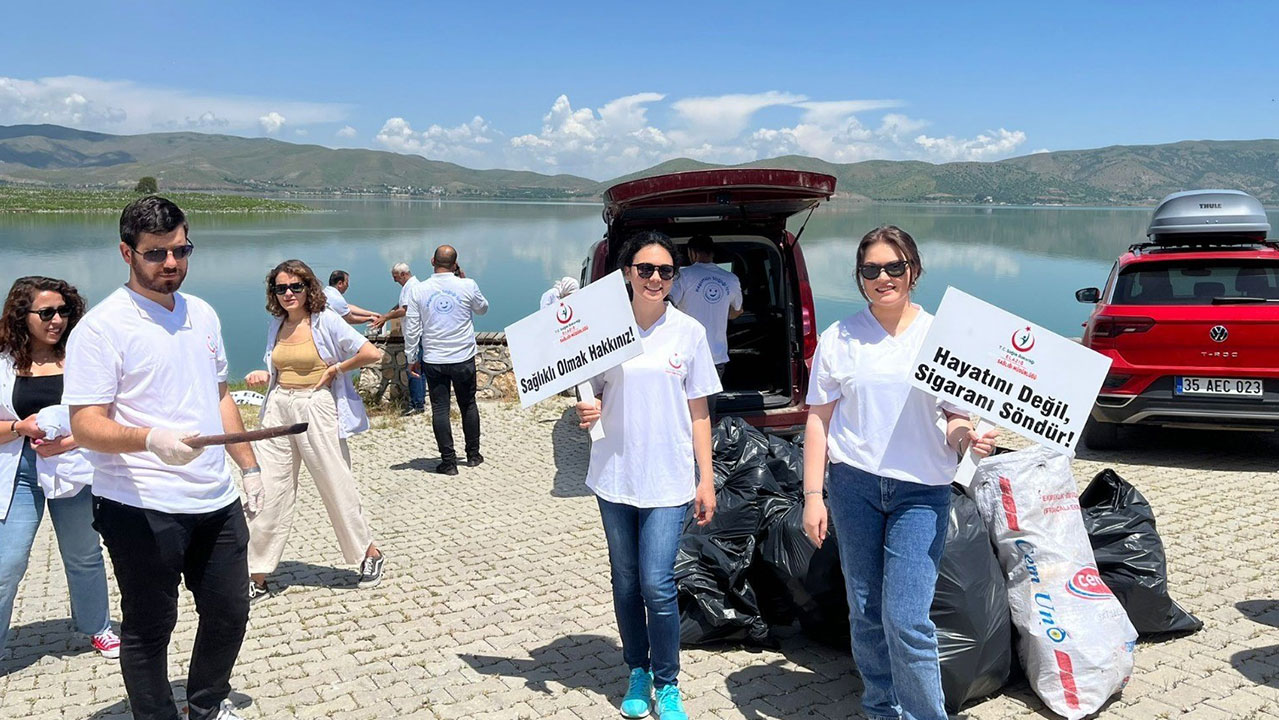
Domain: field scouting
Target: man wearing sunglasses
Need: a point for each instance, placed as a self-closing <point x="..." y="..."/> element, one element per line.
<point x="712" y="296"/>
<point x="146" y="370"/>
<point x="439" y="339"/>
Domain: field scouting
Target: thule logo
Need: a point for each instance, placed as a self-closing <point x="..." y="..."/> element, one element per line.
<point x="1218" y="333"/>
<point x="1209" y="206"/>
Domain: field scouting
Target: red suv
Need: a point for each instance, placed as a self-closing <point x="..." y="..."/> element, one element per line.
<point x="1190" y="321"/>
<point x="770" y="346"/>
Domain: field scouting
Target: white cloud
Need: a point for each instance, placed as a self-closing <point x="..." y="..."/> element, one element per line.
<point x="1000" y="143"/>
<point x="463" y="143"/>
<point x="620" y="136"/>
<point x="271" y="122"/>
<point x="121" y="106"/>
<point x="301" y="132"/>
<point x="346" y="132"/>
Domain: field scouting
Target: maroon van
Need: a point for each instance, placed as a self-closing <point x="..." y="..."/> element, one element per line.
<point x="770" y="346"/>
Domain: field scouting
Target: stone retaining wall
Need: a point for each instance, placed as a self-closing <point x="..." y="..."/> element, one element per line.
<point x="388" y="382"/>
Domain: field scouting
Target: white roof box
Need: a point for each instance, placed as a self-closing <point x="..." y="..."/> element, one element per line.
<point x="1208" y="212"/>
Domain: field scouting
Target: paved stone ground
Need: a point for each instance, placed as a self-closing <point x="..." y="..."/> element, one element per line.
<point x="496" y="601"/>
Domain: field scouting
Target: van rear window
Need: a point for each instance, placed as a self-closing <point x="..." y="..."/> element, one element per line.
<point x="1197" y="282"/>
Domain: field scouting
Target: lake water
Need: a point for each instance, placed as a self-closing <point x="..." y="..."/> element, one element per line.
<point x="1027" y="260"/>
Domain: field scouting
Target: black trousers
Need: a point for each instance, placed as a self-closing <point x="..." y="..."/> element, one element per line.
<point x="461" y="376"/>
<point x="152" y="552"/>
<point x="712" y="399"/>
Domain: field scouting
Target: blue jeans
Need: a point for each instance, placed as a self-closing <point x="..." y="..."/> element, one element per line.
<point x="641" y="555"/>
<point x="417" y="385"/>
<point x="891" y="535"/>
<point x="78" y="542"/>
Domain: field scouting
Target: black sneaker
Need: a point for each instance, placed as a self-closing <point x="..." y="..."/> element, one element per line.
<point x="446" y="468"/>
<point x="412" y="411"/>
<point x="257" y="592"/>
<point x="473" y="460"/>
<point x="371" y="571"/>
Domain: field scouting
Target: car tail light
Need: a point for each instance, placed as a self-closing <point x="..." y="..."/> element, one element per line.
<point x="808" y="319"/>
<point x="1109" y="327"/>
<point x="1114" y="381"/>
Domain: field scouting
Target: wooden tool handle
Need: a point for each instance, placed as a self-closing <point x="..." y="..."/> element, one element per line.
<point x="200" y="441"/>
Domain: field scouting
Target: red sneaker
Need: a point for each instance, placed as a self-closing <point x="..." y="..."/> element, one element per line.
<point x="107" y="643"/>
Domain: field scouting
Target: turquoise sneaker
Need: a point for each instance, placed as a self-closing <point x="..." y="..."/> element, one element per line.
<point x="639" y="694"/>
<point x="669" y="704"/>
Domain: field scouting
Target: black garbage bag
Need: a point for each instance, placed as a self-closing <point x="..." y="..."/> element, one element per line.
<point x="1130" y="555"/>
<point x="783" y="550"/>
<point x="970" y="610"/>
<point x="716" y="600"/>
<point x="822" y="598"/>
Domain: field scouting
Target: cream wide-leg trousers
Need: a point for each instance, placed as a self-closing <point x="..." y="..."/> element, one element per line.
<point x="329" y="462"/>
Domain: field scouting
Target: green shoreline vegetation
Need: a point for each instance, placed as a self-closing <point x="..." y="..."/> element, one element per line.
<point x="16" y="199"/>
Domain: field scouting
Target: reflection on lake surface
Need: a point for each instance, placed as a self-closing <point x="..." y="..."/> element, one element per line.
<point x="1027" y="260"/>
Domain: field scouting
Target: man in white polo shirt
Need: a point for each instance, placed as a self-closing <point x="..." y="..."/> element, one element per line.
<point x="334" y="293"/>
<point x="440" y="312"/>
<point x="712" y="295"/>
<point x="401" y="274"/>
<point x="145" y="370"/>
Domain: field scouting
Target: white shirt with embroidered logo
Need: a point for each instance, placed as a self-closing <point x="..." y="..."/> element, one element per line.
<point x="646" y="456"/>
<point x="882" y="424"/>
<point x="153" y="367"/>
<point x="440" y="317"/>
<point x="706" y="292"/>
<point x="336" y="302"/>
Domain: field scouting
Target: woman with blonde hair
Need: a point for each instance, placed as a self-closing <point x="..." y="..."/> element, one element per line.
<point x="309" y="352"/>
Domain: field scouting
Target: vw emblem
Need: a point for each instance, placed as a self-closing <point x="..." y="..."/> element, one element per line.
<point x="1218" y="333"/>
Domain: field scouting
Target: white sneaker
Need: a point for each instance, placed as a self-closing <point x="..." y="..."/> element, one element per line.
<point x="225" y="712"/>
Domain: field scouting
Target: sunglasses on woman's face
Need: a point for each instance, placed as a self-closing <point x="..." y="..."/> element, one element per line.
<point x="159" y="255"/>
<point x="871" y="271"/>
<point x="296" y="287"/>
<point x="46" y="313"/>
<point x="645" y="270"/>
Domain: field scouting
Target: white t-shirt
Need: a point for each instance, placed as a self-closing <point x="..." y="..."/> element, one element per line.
<point x="440" y="313"/>
<point x="646" y="456"/>
<point x="406" y="291"/>
<point x="153" y="367"/>
<point x="706" y="291"/>
<point x="882" y="424"/>
<point x="337" y="303"/>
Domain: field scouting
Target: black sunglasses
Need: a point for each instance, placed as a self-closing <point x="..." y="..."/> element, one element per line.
<point x="159" y="255"/>
<point x="871" y="271"/>
<point x="297" y="288"/>
<point x="645" y="270"/>
<point x="46" y="314"/>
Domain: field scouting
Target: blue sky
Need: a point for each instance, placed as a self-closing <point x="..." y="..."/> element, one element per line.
<point x="597" y="90"/>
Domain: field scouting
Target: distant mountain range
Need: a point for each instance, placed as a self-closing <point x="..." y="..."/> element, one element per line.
<point x="1117" y="175"/>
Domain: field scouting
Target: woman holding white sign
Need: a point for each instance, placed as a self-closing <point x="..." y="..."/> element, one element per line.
<point x="893" y="450"/>
<point x="656" y="425"/>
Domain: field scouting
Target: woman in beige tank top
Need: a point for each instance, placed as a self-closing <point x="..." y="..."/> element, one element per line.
<point x="310" y="349"/>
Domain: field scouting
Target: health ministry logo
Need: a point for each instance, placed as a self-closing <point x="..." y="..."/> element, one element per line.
<point x="1023" y="340"/>
<point x="564" y="315"/>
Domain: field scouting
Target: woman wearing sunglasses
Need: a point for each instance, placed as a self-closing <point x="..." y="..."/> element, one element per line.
<point x="893" y="450"/>
<point x="310" y="351"/>
<point x="656" y="426"/>
<point x="40" y="464"/>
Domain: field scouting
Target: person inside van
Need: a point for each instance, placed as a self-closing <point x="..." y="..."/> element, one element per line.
<point x="893" y="450"/>
<point x="711" y="295"/>
<point x="645" y="472"/>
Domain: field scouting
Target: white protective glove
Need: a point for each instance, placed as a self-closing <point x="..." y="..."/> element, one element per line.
<point x="254" y="491"/>
<point x="168" y="446"/>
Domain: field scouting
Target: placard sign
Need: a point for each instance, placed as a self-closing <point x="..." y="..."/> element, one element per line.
<point x="1008" y="371"/>
<point x="573" y="340"/>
